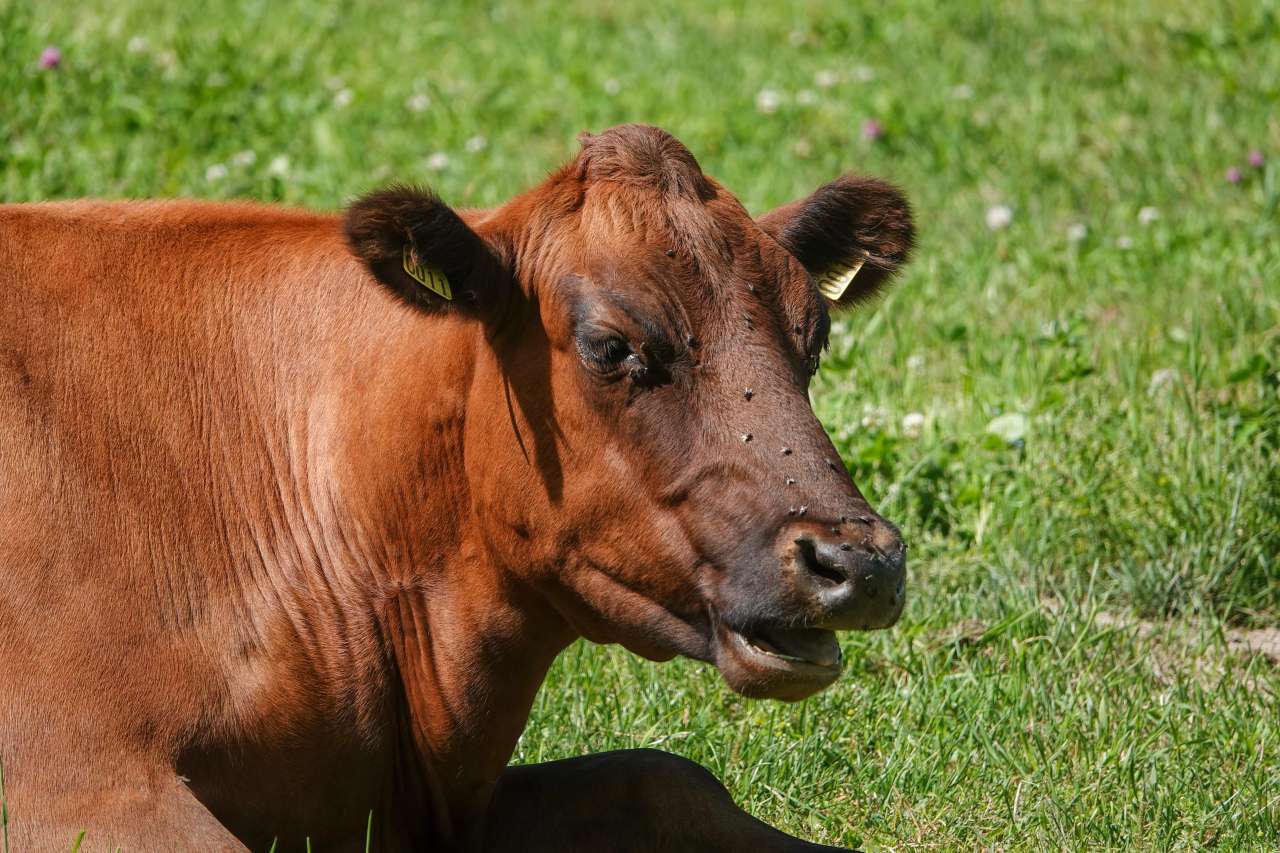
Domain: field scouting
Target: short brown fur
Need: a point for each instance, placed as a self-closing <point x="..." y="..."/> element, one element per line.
<point x="286" y="541"/>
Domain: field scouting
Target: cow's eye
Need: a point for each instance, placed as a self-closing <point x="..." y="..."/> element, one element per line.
<point x="612" y="350"/>
<point x="606" y="352"/>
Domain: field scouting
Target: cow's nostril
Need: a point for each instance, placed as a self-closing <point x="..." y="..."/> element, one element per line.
<point x="813" y="562"/>
<point x="845" y="585"/>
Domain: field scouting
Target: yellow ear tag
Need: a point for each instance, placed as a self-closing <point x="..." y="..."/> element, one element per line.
<point x="835" y="281"/>
<point x="428" y="275"/>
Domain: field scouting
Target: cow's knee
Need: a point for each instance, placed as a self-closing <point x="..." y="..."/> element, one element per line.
<point x="629" y="780"/>
<point x="662" y="781"/>
<point x="637" y="799"/>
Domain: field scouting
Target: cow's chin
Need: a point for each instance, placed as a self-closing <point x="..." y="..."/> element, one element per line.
<point x="786" y="664"/>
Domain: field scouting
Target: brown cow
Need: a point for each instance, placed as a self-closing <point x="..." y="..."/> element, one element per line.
<point x="296" y="509"/>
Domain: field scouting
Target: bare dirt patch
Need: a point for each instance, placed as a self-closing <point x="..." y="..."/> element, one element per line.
<point x="1175" y="648"/>
<point x="1259" y="641"/>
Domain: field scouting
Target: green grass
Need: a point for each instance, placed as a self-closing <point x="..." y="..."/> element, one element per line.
<point x="1020" y="704"/>
<point x="4" y="813"/>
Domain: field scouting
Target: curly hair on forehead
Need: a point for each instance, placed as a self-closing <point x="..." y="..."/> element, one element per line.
<point x="644" y="156"/>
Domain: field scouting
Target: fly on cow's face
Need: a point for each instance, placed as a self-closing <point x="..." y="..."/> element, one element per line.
<point x="636" y="369"/>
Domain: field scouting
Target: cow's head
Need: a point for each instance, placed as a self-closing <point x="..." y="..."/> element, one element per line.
<point x="639" y="442"/>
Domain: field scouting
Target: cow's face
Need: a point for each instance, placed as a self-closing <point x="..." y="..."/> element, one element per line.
<point x="645" y="453"/>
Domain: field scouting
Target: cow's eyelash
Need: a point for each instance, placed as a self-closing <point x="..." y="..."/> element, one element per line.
<point x="610" y="349"/>
<point x="603" y="349"/>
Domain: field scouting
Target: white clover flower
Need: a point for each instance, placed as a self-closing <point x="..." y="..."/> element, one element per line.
<point x="802" y="147"/>
<point x="279" y="166"/>
<point x="215" y="173"/>
<point x="138" y="44"/>
<point x="999" y="217"/>
<point x="1148" y="215"/>
<point x="915" y="362"/>
<point x="417" y="102"/>
<point x="1124" y="242"/>
<point x="1161" y="379"/>
<point x="438" y="161"/>
<point x="611" y="86"/>
<point x="768" y="101"/>
<point x="343" y="98"/>
<point x="873" y="417"/>
<point x="826" y="79"/>
<point x="1011" y="427"/>
<point x="912" y="424"/>
<point x="244" y="158"/>
<point x="1077" y="231"/>
<point x="475" y="144"/>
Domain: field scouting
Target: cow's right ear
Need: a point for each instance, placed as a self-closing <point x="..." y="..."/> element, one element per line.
<point x="416" y="245"/>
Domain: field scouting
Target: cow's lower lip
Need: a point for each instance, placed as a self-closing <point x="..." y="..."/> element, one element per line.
<point x="795" y="646"/>
<point x="778" y="663"/>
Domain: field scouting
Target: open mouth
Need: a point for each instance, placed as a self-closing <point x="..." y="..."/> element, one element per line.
<point x="778" y="663"/>
<point x="792" y="647"/>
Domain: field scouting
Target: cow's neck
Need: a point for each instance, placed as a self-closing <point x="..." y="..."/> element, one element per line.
<point x="470" y="645"/>
<point x="469" y="664"/>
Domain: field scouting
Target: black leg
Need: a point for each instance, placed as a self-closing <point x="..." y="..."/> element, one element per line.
<point x="629" y="800"/>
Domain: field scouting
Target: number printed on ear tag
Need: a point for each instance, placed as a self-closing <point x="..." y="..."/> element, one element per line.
<point x="428" y="275"/>
<point x="835" y="281"/>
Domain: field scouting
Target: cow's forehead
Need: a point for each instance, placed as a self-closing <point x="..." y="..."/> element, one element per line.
<point x="644" y="194"/>
<point x="705" y="259"/>
<point x="634" y="214"/>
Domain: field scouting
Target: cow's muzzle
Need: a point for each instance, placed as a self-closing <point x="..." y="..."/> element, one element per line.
<point x="833" y="579"/>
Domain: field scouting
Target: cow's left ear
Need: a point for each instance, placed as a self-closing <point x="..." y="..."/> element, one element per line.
<point x="852" y="235"/>
<point x="420" y="248"/>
